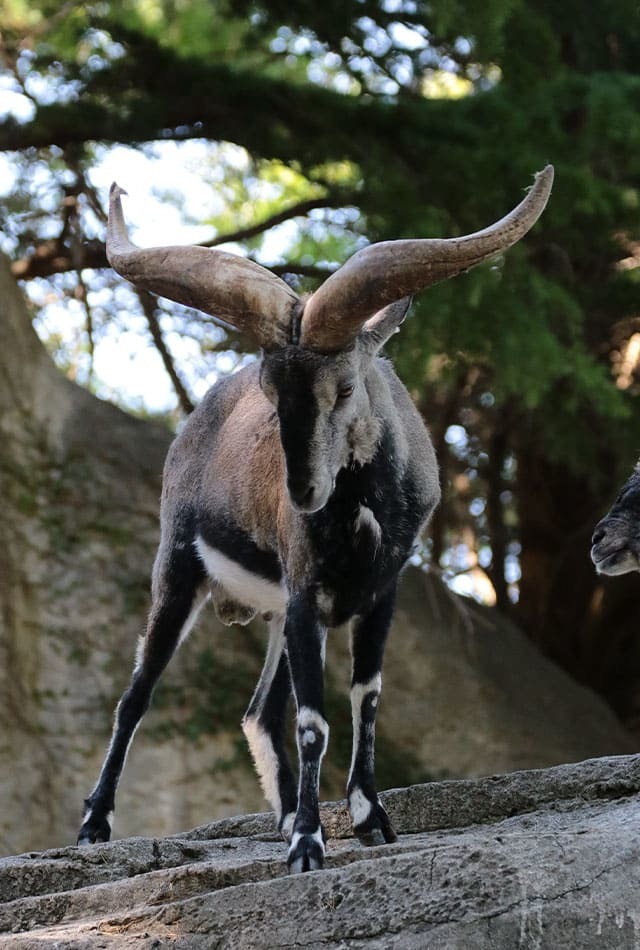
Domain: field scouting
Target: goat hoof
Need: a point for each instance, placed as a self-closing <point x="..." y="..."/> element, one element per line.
<point x="306" y="853"/>
<point x="86" y="837"/>
<point x="371" y="839"/>
<point x="94" y="830"/>
<point x="285" y="826"/>
<point x="376" y="830"/>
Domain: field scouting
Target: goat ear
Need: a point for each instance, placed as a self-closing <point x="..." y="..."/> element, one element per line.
<point x="382" y="325"/>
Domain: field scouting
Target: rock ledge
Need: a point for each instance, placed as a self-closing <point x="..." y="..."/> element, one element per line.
<point x="545" y="858"/>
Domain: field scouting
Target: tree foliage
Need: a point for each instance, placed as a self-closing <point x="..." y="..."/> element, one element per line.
<point x="358" y="120"/>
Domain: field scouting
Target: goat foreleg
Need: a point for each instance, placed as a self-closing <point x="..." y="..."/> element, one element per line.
<point x="370" y="821"/>
<point x="305" y="646"/>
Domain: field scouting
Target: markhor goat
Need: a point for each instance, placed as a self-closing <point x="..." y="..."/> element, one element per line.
<point x="295" y="490"/>
<point x="616" y="538"/>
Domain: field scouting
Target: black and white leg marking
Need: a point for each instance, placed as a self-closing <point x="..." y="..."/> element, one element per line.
<point x="370" y="821"/>
<point x="174" y="610"/>
<point x="305" y="645"/>
<point x="264" y="725"/>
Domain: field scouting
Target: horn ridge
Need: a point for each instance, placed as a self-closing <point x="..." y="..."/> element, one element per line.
<point x="227" y="286"/>
<point x="386" y="271"/>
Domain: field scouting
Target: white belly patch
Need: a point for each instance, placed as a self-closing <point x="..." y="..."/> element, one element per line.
<point x="243" y="586"/>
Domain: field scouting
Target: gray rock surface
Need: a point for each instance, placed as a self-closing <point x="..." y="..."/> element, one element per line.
<point x="539" y="860"/>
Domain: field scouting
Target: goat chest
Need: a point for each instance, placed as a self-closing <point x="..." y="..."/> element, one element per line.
<point x="359" y="542"/>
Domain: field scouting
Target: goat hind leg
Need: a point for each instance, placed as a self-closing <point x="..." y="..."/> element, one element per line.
<point x="371" y="823"/>
<point x="173" y="613"/>
<point x="264" y="726"/>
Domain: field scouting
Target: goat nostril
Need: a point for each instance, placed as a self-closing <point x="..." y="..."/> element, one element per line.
<point x="301" y="492"/>
<point x="598" y="535"/>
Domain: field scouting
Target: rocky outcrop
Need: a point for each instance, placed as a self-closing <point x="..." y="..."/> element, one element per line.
<point x="533" y="860"/>
<point x="465" y="692"/>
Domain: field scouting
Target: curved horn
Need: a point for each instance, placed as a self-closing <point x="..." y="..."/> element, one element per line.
<point x="243" y="294"/>
<point x="382" y="273"/>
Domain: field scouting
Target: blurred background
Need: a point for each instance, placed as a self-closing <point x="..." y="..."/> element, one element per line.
<point x="295" y="133"/>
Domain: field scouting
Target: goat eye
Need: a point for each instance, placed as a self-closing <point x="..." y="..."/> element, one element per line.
<point x="344" y="392"/>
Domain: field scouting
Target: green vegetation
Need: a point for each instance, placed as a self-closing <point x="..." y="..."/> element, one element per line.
<point x="214" y="695"/>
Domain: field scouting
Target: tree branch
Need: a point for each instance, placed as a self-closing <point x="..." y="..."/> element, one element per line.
<point x="129" y="103"/>
<point x="301" y="270"/>
<point x="82" y="295"/>
<point x="54" y="257"/>
<point x="51" y="258"/>
<point x="149" y="307"/>
<point x="297" y="210"/>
